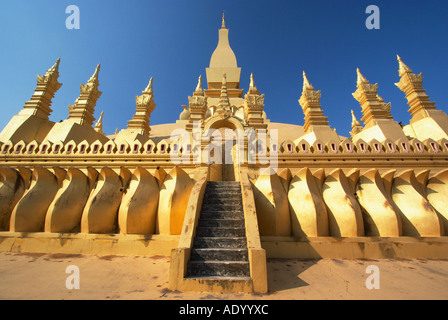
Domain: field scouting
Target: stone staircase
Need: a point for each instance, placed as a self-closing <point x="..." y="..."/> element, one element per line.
<point x="220" y="246"/>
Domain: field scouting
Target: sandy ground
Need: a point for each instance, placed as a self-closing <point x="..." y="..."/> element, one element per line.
<point x="43" y="276"/>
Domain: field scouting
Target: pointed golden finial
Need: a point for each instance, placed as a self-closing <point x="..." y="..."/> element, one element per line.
<point x="47" y="85"/>
<point x="100" y="119"/>
<point x="403" y="67"/>
<point x="99" y="123"/>
<point x="309" y="101"/>
<point x="55" y="67"/>
<point x="199" y="85"/>
<point x="361" y="79"/>
<point x="252" y="86"/>
<point x="94" y="77"/>
<point x="356" y="125"/>
<point x="306" y="83"/>
<point x="223" y="25"/>
<point x="412" y="85"/>
<point x="82" y="111"/>
<point x="355" y="122"/>
<point x="148" y="88"/>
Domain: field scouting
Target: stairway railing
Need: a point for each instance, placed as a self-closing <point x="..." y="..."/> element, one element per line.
<point x="257" y="255"/>
<point x="181" y="254"/>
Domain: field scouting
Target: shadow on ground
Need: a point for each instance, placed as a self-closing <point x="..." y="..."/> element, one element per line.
<point x="284" y="274"/>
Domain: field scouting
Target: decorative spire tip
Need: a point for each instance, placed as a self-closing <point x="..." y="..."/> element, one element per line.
<point x="148" y="89"/>
<point x="355" y="122"/>
<point x="199" y="85"/>
<point x="94" y="77"/>
<point x="403" y="67"/>
<point x="361" y="78"/>
<point x="252" y="86"/>
<point x="55" y="67"/>
<point x="306" y="82"/>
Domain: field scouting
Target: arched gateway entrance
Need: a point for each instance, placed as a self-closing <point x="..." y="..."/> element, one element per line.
<point x="225" y="137"/>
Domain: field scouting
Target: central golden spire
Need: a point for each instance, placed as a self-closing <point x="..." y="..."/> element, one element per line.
<point x="223" y="60"/>
<point x="223" y="56"/>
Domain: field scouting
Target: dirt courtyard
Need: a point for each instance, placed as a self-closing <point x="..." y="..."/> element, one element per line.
<point x="43" y="276"/>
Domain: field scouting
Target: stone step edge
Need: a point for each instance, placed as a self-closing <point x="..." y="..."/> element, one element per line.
<point x="217" y="262"/>
<point x="220" y="210"/>
<point x="222" y="238"/>
<point x="201" y="227"/>
<point x="220" y="249"/>
<point x="208" y="219"/>
<point x="219" y="278"/>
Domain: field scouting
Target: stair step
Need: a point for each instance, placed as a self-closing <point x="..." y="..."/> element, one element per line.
<point x="219" y="254"/>
<point x="219" y="214"/>
<point x="223" y="187"/>
<point x="223" y="200"/>
<point x="220" y="183"/>
<point x="220" y="242"/>
<point x="219" y="278"/>
<point x="223" y="196"/>
<point x="218" y="268"/>
<point x="220" y="196"/>
<point x="222" y="223"/>
<point x="224" y="207"/>
<point x="202" y="231"/>
<point x="222" y="192"/>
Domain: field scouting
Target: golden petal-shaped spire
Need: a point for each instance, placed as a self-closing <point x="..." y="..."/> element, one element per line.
<point x="199" y="85"/>
<point x="148" y="88"/>
<point x="99" y="124"/>
<point x="55" y="67"/>
<point x="306" y="83"/>
<point x="403" y="67"/>
<point x="94" y="77"/>
<point x="361" y="78"/>
<point x="252" y="85"/>
<point x="355" y="122"/>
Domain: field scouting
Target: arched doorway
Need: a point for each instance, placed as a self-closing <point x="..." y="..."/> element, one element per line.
<point x="227" y="132"/>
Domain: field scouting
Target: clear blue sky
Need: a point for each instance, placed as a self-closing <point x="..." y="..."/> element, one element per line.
<point x="172" y="41"/>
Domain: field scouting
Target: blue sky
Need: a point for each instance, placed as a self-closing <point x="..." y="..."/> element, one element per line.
<point x="172" y="41"/>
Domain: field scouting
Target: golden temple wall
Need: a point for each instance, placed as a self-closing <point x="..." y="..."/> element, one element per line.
<point x="90" y="188"/>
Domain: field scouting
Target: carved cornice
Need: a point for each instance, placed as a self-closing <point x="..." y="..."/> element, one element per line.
<point x="197" y="102"/>
<point x="254" y="102"/>
<point x="310" y="96"/>
<point x="410" y="81"/>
